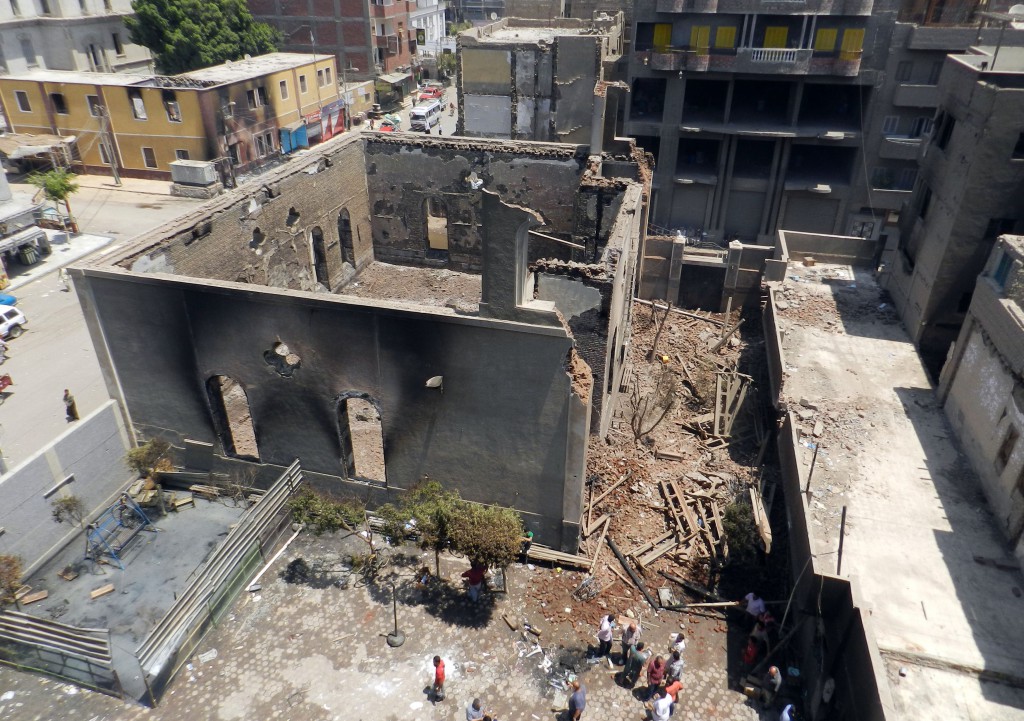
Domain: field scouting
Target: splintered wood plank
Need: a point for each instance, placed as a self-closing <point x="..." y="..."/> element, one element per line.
<point x="33" y="597"/>
<point x="102" y="591"/>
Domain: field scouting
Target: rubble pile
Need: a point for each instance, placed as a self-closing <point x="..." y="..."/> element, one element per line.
<point x="686" y="443"/>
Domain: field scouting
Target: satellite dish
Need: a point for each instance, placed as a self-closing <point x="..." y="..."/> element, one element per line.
<point x="1017" y="9"/>
<point x="494" y="16"/>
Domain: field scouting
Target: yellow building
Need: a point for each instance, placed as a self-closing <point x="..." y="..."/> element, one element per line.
<point x="247" y="112"/>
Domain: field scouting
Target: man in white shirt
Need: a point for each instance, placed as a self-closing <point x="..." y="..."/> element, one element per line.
<point x="661" y="707"/>
<point x="604" y="635"/>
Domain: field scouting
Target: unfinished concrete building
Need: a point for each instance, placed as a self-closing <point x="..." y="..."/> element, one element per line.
<point x="982" y="386"/>
<point x="523" y="80"/>
<point x="483" y="360"/>
<point x="970" y="191"/>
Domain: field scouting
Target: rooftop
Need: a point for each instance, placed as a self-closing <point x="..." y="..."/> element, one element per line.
<point x="920" y="546"/>
<point x="82" y="78"/>
<point x="528" y="34"/>
<point x="232" y="72"/>
<point x="424" y="286"/>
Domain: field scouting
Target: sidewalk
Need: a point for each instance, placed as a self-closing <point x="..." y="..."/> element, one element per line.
<point x="133" y="185"/>
<point x="66" y="250"/>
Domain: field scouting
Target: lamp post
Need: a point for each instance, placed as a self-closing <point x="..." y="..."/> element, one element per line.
<point x="396" y="638"/>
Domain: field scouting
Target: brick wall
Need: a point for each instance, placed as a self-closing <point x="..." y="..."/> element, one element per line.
<point x="253" y="236"/>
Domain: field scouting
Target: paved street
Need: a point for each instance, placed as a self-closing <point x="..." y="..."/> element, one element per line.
<point x="313" y="651"/>
<point x="56" y="352"/>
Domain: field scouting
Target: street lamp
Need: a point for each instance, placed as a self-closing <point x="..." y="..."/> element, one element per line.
<point x="396" y="638"/>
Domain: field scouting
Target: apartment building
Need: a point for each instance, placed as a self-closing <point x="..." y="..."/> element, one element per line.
<point x="969" y="191"/>
<point x="526" y="80"/>
<point x="367" y="37"/>
<point x="248" y="112"/>
<point x="756" y="118"/>
<point x="982" y="386"/>
<point x="81" y="35"/>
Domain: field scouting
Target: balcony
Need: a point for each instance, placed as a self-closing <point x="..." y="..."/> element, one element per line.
<point x="387" y="42"/>
<point x="888" y="199"/>
<point x="916" y="96"/>
<point x="760" y="61"/>
<point x="767" y="7"/>
<point x="899" y="148"/>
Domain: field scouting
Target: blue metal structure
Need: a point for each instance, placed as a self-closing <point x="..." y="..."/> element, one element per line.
<point x="115" y="528"/>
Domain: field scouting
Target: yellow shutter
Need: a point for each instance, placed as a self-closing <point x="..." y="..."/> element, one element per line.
<point x="662" y="35"/>
<point x="725" y="37"/>
<point x="825" y="40"/>
<point x="775" y="37"/>
<point x="700" y="37"/>
<point x="853" y="43"/>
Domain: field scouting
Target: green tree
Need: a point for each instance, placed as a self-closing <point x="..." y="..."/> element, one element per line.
<point x="149" y="456"/>
<point x="185" y="35"/>
<point x="431" y="509"/>
<point x="321" y="513"/>
<point x="57" y="185"/>
<point x="490" y="535"/>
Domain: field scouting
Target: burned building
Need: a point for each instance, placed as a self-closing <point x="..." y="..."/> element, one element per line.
<point x="388" y="309"/>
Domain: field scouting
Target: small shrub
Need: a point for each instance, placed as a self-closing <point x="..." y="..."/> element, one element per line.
<point x="151" y="455"/>
<point x="324" y="514"/>
<point x="740" y="532"/>
<point x="68" y="509"/>
<point x="10" y="577"/>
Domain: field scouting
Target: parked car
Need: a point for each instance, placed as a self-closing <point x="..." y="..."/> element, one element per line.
<point x="12" y="323"/>
<point x="431" y="92"/>
<point x="386" y="126"/>
<point x="6" y="299"/>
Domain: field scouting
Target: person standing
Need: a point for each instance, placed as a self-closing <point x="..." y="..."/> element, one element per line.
<point x="604" y="635"/>
<point x="755" y="607"/>
<point x="475" y="711"/>
<point x="638" y="656"/>
<point x="675" y="667"/>
<point x="678" y="643"/>
<point x="655" y="675"/>
<point x="527" y="542"/>
<point x="630" y="637"/>
<point x="661" y="707"/>
<point x="70" y="407"/>
<point x="3" y="351"/>
<point x="577" y="701"/>
<point x="771" y="685"/>
<point x="475" y="577"/>
<point x="438" y="687"/>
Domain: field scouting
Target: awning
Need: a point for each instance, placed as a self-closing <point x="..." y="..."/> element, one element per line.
<point x="20" y="145"/>
<point x="25" y="236"/>
<point x="395" y="78"/>
<point x="292" y="127"/>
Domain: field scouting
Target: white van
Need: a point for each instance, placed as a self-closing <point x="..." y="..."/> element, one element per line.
<point x="424" y="117"/>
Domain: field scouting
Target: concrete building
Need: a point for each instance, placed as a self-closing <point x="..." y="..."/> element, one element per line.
<point x="250" y="112"/>
<point x="982" y="386"/>
<point x="905" y="104"/>
<point x="755" y="118"/>
<point x="512" y="297"/>
<point x="88" y="35"/>
<point x="20" y="238"/>
<point x="524" y="81"/>
<point x="367" y="37"/>
<point x="970" y="191"/>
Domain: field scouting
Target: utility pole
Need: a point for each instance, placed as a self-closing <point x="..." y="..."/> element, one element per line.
<point x="106" y="137"/>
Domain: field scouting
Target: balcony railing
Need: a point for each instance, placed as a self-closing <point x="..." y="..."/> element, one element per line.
<point x="786" y="61"/>
<point x="773" y="7"/>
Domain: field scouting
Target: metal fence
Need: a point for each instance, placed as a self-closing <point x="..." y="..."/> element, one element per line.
<point x="77" y="655"/>
<point x="210" y="594"/>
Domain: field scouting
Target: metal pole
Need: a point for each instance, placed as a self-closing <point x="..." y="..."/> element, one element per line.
<point x="810" y="473"/>
<point x="842" y="534"/>
<point x="396" y="638"/>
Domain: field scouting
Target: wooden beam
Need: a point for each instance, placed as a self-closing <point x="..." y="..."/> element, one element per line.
<point x="589" y="530"/>
<point x="102" y="591"/>
<point x="725" y="338"/>
<point x="632" y="574"/>
<point x="600" y="545"/>
<point x="613" y="487"/>
<point x="706" y="319"/>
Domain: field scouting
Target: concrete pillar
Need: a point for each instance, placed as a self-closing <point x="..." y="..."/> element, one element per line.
<point x="597" y="123"/>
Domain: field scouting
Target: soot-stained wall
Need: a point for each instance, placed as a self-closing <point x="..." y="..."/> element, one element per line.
<point x="499" y="430"/>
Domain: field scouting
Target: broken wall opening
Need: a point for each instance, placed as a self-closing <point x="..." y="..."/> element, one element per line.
<point x="232" y="418"/>
<point x="361" y="438"/>
<point x="437" y="228"/>
<point x="316" y="236"/>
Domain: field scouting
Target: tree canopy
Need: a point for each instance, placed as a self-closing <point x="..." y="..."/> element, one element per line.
<point x="185" y="35"/>
<point x="431" y="508"/>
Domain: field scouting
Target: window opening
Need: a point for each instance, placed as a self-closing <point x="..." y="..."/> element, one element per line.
<point x="362" y="440"/>
<point x="171" y="106"/>
<point x="60" y="106"/>
<point x="137" y="103"/>
<point x="149" y="157"/>
<point x="437" y="229"/>
<point x="22" y="98"/>
<point x="232" y="418"/>
<point x="345" y="237"/>
<point x="320" y="257"/>
<point x="1006" y="448"/>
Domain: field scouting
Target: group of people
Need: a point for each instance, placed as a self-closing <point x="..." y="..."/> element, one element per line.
<point x="664" y="671"/>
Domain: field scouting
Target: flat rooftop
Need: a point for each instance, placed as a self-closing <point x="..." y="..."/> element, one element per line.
<point x="530" y="34"/>
<point x="253" y="67"/>
<point x="82" y="78"/>
<point x="436" y="287"/>
<point x="917" y="520"/>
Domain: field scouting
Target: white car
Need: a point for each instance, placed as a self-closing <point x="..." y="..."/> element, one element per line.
<point x="12" y="323"/>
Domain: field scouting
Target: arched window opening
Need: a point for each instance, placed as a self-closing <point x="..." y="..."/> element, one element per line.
<point x="437" y="229"/>
<point x="362" y="440"/>
<point x="345" y="237"/>
<point x="320" y="257"/>
<point x="232" y="418"/>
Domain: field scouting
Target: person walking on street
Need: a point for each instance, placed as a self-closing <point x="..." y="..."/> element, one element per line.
<point x="604" y="635"/>
<point x="577" y="701"/>
<point x="438" y="688"/>
<point x="655" y="675"/>
<point x="70" y="407"/>
<point x="630" y="637"/>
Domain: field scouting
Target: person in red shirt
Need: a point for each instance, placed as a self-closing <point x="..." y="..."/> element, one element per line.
<point x="475" y="577"/>
<point x="438" y="687"/>
<point x="655" y="675"/>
